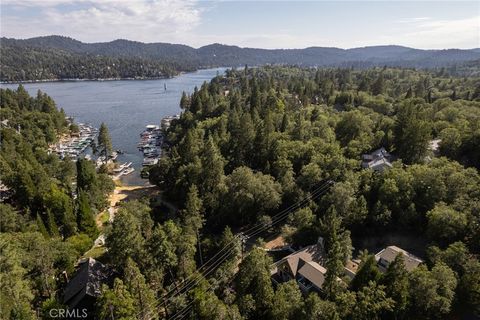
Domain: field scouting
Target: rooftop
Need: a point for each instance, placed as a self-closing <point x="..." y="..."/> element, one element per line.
<point x="87" y="281"/>
<point x="390" y="253"/>
<point x="307" y="254"/>
<point x="313" y="272"/>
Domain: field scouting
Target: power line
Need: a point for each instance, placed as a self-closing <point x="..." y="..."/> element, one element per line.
<point x="242" y="236"/>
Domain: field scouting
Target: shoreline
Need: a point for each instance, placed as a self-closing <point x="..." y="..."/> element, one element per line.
<point x="89" y="80"/>
<point x="107" y="79"/>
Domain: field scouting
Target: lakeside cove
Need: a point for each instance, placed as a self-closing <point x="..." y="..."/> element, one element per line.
<point x="125" y="106"/>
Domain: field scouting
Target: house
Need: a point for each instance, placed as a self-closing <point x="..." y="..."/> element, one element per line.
<point x="82" y="290"/>
<point x="304" y="266"/>
<point x="378" y="160"/>
<point x="310" y="276"/>
<point x="388" y="255"/>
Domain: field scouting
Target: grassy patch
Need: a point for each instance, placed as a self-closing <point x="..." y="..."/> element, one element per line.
<point x="96" y="253"/>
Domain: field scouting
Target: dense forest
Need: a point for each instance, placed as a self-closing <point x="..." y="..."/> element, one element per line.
<point x="27" y="64"/>
<point x="47" y="217"/>
<point x="257" y="153"/>
<point x="57" y="57"/>
<point x="253" y="142"/>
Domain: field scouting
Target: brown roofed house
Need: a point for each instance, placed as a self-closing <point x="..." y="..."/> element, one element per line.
<point x="311" y="276"/>
<point x="387" y="255"/>
<point x="305" y="266"/>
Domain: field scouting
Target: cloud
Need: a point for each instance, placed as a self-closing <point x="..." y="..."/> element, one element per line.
<point x="87" y="20"/>
<point x="436" y="33"/>
<point x="189" y="22"/>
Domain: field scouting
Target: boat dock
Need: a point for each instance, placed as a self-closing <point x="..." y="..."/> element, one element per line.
<point x="122" y="170"/>
<point x="151" y="140"/>
<point x="76" y="143"/>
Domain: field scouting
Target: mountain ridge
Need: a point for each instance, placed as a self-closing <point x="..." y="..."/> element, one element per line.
<point x="57" y="51"/>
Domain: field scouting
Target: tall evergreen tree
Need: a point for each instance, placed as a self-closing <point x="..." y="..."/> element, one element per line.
<point x="288" y="301"/>
<point x="86" y="175"/>
<point x="254" y="287"/>
<point x="85" y="218"/>
<point x="371" y="302"/>
<point x="41" y="226"/>
<point x="412" y="132"/>
<point x="396" y="285"/>
<point x="213" y="174"/>
<point x="104" y="141"/>
<point x="192" y="222"/>
<point x="378" y="87"/>
<point x="52" y="225"/>
<point x="338" y="249"/>
<point x="143" y="297"/>
<point x="116" y="303"/>
<point x="368" y="271"/>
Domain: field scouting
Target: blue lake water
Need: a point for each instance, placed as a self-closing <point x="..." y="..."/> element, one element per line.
<point x="126" y="106"/>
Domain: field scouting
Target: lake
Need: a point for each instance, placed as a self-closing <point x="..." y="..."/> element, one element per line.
<point x="126" y="106"/>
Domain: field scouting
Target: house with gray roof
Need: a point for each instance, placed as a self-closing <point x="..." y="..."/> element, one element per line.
<point x="82" y="291"/>
<point x="378" y="160"/>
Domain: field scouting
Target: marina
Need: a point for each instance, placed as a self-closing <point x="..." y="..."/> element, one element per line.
<point x="151" y="141"/>
<point x="124" y="106"/>
<point x="77" y="143"/>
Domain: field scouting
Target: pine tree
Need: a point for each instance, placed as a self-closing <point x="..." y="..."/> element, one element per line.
<point x="412" y="132"/>
<point x="104" y="142"/>
<point x="184" y="101"/>
<point x="192" y="222"/>
<point x="85" y="219"/>
<point x="143" y="297"/>
<point x="41" y="227"/>
<point x="396" y="285"/>
<point x="371" y="302"/>
<point x="368" y="271"/>
<point x="86" y="175"/>
<point x="16" y="293"/>
<point x="213" y="174"/>
<point x="124" y="239"/>
<point x="338" y="250"/>
<point x="116" y="303"/>
<point x="254" y="285"/>
<point x="192" y="214"/>
<point x="52" y="225"/>
<point x="378" y="87"/>
<point x="162" y="246"/>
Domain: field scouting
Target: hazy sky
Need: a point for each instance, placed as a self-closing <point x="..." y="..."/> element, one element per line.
<point x="267" y="24"/>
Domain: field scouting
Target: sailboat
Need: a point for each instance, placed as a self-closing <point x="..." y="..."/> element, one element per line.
<point x="165" y="86"/>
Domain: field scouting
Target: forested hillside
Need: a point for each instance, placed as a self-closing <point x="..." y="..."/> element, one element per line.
<point x="260" y="153"/>
<point x="47" y="215"/>
<point x="26" y="64"/>
<point x="56" y="57"/>
<point x="257" y="142"/>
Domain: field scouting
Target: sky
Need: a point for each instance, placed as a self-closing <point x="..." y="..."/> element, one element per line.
<point x="260" y="24"/>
